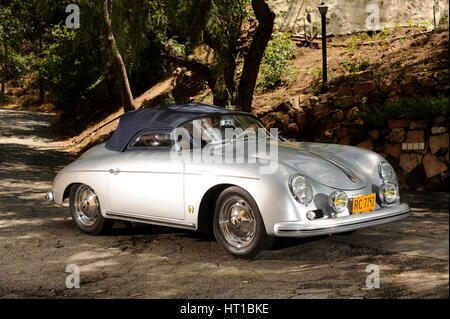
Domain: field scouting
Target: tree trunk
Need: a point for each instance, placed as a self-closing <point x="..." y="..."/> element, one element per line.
<point x="107" y="91"/>
<point x="3" y="84"/>
<point x="2" y="92"/>
<point x="252" y="61"/>
<point x="125" y="90"/>
<point x="41" y="80"/>
<point x="229" y="66"/>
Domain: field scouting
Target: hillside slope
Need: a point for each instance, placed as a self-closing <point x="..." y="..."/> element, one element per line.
<point x="380" y="58"/>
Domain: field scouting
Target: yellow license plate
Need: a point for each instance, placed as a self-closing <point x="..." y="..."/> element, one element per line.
<point x="364" y="204"/>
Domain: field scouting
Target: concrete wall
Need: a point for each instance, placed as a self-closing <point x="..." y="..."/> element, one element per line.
<point x="349" y="16"/>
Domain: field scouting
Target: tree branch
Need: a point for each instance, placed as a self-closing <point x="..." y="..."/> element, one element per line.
<point x="176" y="57"/>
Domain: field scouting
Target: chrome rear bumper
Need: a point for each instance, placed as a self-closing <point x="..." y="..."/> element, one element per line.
<point x="341" y="224"/>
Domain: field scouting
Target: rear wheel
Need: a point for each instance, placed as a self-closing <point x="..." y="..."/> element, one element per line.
<point x="238" y="225"/>
<point x="85" y="210"/>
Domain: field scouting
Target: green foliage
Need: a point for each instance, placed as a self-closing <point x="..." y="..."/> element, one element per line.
<point x="356" y="39"/>
<point x="443" y="20"/>
<point x="69" y="67"/>
<point x="313" y="29"/>
<point x="216" y="24"/>
<point x="12" y="64"/>
<point x="410" y="23"/>
<point x="413" y="108"/>
<point x="424" y="24"/>
<point x="187" y="22"/>
<point x="73" y="66"/>
<point x="276" y="67"/>
<point x="384" y="34"/>
<point x="316" y="83"/>
<point x="354" y="65"/>
<point x="30" y="100"/>
<point x="317" y="72"/>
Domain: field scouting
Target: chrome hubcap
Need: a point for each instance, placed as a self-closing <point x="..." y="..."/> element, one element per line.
<point x="87" y="207"/>
<point x="237" y="223"/>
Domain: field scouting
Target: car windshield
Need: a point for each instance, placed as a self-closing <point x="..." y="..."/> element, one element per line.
<point x="224" y="128"/>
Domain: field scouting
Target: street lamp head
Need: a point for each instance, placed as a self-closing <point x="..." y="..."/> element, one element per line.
<point x="323" y="9"/>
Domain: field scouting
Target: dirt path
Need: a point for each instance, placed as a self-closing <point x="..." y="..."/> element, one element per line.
<point x="38" y="241"/>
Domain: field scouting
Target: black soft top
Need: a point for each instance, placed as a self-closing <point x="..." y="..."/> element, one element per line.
<point x="162" y="118"/>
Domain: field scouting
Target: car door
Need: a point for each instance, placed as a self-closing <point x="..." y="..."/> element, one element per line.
<point x="147" y="179"/>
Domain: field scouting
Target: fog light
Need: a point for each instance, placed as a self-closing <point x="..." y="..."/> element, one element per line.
<point x="311" y="215"/>
<point x="389" y="192"/>
<point x="339" y="201"/>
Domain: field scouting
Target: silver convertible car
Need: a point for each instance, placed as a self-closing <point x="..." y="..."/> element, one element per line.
<point x="201" y="167"/>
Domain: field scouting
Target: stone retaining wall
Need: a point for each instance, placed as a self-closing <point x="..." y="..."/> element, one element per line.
<point x="418" y="150"/>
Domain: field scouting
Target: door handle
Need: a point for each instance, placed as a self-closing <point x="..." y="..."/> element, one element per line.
<point x="114" y="171"/>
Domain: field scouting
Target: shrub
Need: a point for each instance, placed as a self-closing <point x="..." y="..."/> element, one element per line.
<point x="355" y="65"/>
<point x="413" y="108"/>
<point x="275" y="66"/>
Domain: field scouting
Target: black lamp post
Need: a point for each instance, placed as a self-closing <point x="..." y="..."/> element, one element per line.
<point x="323" y="12"/>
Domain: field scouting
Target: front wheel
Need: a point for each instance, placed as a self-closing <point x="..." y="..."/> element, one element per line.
<point x="238" y="225"/>
<point x="85" y="211"/>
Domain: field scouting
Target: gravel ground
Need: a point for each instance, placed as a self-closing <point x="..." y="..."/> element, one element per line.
<point x="38" y="242"/>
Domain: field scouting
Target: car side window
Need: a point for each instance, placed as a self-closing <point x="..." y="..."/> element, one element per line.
<point x="152" y="140"/>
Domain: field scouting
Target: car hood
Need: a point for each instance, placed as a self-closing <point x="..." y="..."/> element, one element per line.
<point x="336" y="166"/>
<point x="325" y="165"/>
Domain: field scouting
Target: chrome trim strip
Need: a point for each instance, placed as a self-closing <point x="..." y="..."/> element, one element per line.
<point x="151" y="220"/>
<point x="120" y="171"/>
<point x="153" y="172"/>
<point x="88" y="171"/>
<point x="228" y="176"/>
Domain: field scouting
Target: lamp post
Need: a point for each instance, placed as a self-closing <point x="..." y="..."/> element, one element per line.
<point x="434" y="15"/>
<point x="323" y="12"/>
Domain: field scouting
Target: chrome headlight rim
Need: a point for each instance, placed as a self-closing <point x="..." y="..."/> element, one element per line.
<point x="341" y="196"/>
<point x="389" y="193"/>
<point x="309" y="197"/>
<point x="385" y="171"/>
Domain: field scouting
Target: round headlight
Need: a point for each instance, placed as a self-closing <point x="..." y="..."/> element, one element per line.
<point x="389" y="192"/>
<point x="339" y="201"/>
<point x="301" y="189"/>
<point x="385" y="171"/>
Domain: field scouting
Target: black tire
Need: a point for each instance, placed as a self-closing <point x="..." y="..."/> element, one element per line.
<point x="99" y="225"/>
<point x="259" y="241"/>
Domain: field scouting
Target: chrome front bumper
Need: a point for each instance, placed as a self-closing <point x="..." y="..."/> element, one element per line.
<point x="341" y="224"/>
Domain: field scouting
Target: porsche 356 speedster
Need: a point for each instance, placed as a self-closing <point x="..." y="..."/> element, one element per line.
<point x="175" y="165"/>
